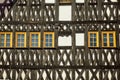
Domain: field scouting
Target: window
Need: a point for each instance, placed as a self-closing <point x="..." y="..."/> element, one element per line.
<point x="93" y="40"/>
<point x="21" y="39"/>
<point x="65" y="1"/>
<point x="5" y="39"/>
<point x="34" y="39"/>
<point x="49" y="39"/>
<point x="108" y="39"/>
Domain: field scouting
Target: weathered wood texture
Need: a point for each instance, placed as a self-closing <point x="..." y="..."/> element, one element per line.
<point x="61" y="63"/>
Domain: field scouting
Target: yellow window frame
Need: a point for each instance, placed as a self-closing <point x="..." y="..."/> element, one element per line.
<point x="97" y="38"/>
<point x="53" y="39"/>
<point x="39" y="40"/>
<point x="17" y="39"/>
<point x="5" y="33"/>
<point x="108" y="41"/>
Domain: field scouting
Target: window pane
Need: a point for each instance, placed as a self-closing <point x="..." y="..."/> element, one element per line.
<point x="20" y="40"/>
<point x="7" y="44"/>
<point x="93" y="40"/>
<point x="105" y="44"/>
<point x="1" y="44"/>
<point x="111" y="44"/>
<point x="47" y="45"/>
<point x="34" y="40"/>
<point x="48" y="40"/>
<point x="2" y="36"/>
<point x="50" y="44"/>
<point x="95" y="35"/>
<point x="111" y="39"/>
<point x="104" y="39"/>
<point x="2" y="40"/>
<point x="95" y="44"/>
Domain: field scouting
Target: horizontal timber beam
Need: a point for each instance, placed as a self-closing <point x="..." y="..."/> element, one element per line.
<point x="57" y="67"/>
<point x="60" y="22"/>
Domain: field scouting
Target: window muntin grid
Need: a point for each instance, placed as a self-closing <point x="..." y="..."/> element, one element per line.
<point x="5" y="39"/>
<point x="108" y="39"/>
<point x="34" y="39"/>
<point x="93" y="39"/>
<point x="20" y="39"/>
<point x="49" y="39"/>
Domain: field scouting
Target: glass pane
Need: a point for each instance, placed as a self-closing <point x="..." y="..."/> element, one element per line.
<point x="91" y="44"/>
<point x="50" y="40"/>
<point x="91" y="39"/>
<point x="50" y="44"/>
<point x="95" y="44"/>
<point x="36" y="44"/>
<point x="36" y="36"/>
<point x="94" y="39"/>
<point x="47" y="40"/>
<point x="95" y="35"/>
<point x="105" y="35"/>
<point x="22" y="36"/>
<point x="8" y="44"/>
<point x="2" y="40"/>
<point x="47" y="36"/>
<point x="47" y="45"/>
<point x="19" y="40"/>
<point x="8" y="36"/>
<point x="111" y="44"/>
<point x="22" y="44"/>
<point x="2" y="36"/>
<point x="111" y="39"/>
<point x="22" y="40"/>
<point x="2" y="44"/>
<point x="111" y="35"/>
<point x="50" y="35"/>
<point x="18" y="44"/>
<point x="105" y="39"/>
<point x="33" y="40"/>
<point x="91" y="35"/>
<point x="36" y="40"/>
<point x="105" y="44"/>
<point x="19" y="36"/>
<point x="32" y="44"/>
<point x="8" y="40"/>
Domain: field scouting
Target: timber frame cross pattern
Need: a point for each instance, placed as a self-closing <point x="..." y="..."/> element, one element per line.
<point x="98" y="59"/>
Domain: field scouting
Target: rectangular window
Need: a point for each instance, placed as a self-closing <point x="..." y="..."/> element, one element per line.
<point x="5" y="39"/>
<point x="93" y="39"/>
<point x="108" y="39"/>
<point x="35" y="39"/>
<point x="49" y="39"/>
<point x="20" y="39"/>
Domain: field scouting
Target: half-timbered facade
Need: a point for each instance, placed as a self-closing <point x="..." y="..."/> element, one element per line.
<point x="34" y="34"/>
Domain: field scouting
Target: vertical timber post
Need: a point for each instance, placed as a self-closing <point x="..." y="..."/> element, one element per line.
<point x="73" y="40"/>
<point x="86" y="39"/>
<point x="99" y="7"/>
